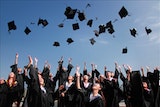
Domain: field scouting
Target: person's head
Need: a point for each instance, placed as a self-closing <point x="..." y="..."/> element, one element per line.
<point x="112" y="74"/>
<point x="109" y="74"/>
<point x="11" y="79"/>
<point x="96" y="87"/>
<point x="70" y="78"/>
<point x="101" y="77"/>
<point x="85" y="78"/>
<point x="19" y="70"/>
<point x="41" y="80"/>
<point x="2" y="81"/>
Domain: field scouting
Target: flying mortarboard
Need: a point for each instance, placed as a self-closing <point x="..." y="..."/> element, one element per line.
<point x="70" y="40"/>
<point x="56" y="44"/>
<point x="92" y="41"/>
<point x="70" y="13"/>
<point x="96" y="33"/>
<point x="61" y="25"/>
<point x="27" y="30"/>
<point x="40" y="21"/>
<point x="102" y="29"/>
<point x="81" y="16"/>
<point x="44" y="22"/>
<point x="123" y="12"/>
<point x="148" y="31"/>
<point x="11" y="26"/>
<point x="89" y="23"/>
<point x="124" y="50"/>
<point x="133" y="32"/>
<point x="110" y="28"/>
<point x="75" y="26"/>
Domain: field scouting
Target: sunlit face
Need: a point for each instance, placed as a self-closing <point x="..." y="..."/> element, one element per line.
<point x="85" y="77"/>
<point x="11" y="75"/>
<point x="96" y="86"/>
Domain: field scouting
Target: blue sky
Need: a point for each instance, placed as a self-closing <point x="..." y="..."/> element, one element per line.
<point x="144" y="50"/>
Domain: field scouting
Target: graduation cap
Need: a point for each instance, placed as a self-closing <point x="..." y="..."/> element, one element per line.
<point x="56" y="44"/>
<point x="148" y="31"/>
<point x="102" y="29"/>
<point x="92" y="41"/>
<point x="133" y="32"/>
<point x="88" y="5"/>
<point x="75" y="26"/>
<point x="40" y="21"/>
<point x="123" y="12"/>
<point x="81" y="16"/>
<point x="70" y="40"/>
<point x="110" y="28"/>
<point x="27" y="30"/>
<point x="61" y="25"/>
<point x="44" y="22"/>
<point x="124" y="50"/>
<point x="89" y="23"/>
<point x="70" y="13"/>
<point x="96" y="33"/>
<point x="11" y="26"/>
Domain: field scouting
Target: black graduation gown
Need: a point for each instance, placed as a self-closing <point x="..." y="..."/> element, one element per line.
<point x="108" y="91"/>
<point x="62" y="75"/>
<point x="3" y="95"/>
<point x="97" y="102"/>
<point x="126" y="90"/>
<point x="136" y="93"/>
<point x="34" y="91"/>
<point x="12" y="94"/>
<point x="86" y="92"/>
<point x="20" y="80"/>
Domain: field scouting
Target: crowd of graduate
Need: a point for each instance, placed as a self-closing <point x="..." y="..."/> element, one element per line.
<point x="79" y="90"/>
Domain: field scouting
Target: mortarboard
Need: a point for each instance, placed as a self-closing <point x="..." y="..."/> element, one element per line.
<point x="61" y="25"/>
<point x="110" y="28"/>
<point x="133" y="32"/>
<point x="44" y="22"/>
<point x="92" y="41"/>
<point x="89" y="23"/>
<point x="70" y="40"/>
<point x="88" y="5"/>
<point x="123" y="12"/>
<point x="124" y="50"/>
<point x="75" y="26"/>
<point x="11" y="26"/>
<point x="56" y="44"/>
<point x="70" y="13"/>
<point x="148" y="31"/>
<point x="27" y="30"/>
<point x="81" y="16"/>
<point x="40" y="21"/>
<point x="96" y="33"/>
<point x="102" y="29"/>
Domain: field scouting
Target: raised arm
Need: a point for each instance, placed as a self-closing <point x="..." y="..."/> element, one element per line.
<point x="78" y="77"/>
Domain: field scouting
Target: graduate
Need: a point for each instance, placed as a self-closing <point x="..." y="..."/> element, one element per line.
<point x="62" y="72"/>
<point x="12" y="90"/>
<point x="126" y="86"/>
<point x="19" y="78"/>
<point x="95" y="99"/>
